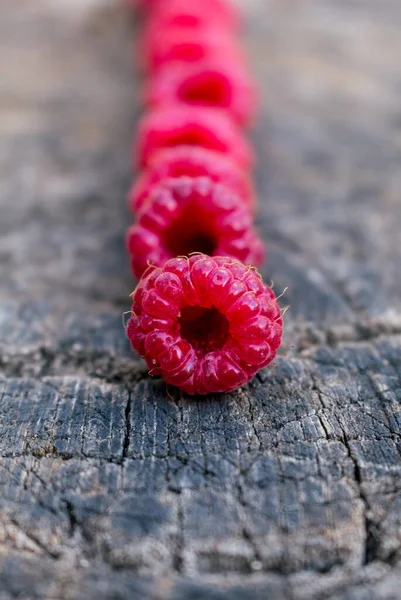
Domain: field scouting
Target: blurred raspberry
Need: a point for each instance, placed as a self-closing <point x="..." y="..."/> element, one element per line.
<point x="194" y="126"/>
<point x="190" y="15"/>
<point x="192" y="161"/>
<point x="178" y="44"/>
<point x="186" y="215"/>
<point x="206" y="325"/>
<point x="207" y="83"/>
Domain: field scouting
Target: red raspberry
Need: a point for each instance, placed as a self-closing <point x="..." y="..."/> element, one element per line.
<point x="195" y="13"/>
<point x="192" y="161"/>
<point x="190" y="15"/>
<point x="177" y="44"/>
<point x="186" y="215"/>
<point x="193" y="126"/>
<point x="206" y="325"/>
<point x="206" y="83"/>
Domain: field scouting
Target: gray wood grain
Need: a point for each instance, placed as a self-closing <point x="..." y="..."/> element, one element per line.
<point x="110" y="485"/>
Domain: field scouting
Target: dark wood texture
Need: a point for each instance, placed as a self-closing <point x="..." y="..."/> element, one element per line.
<point x="287" y="489"/>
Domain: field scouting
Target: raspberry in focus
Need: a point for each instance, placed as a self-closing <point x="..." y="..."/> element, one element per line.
<point x="193" y="161"/>
<point x="186" y="215"/>
<point x="191" y="126"/>
<point x="206" y="325"/>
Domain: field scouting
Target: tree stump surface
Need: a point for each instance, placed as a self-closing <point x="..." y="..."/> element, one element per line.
<point x="289" y="488"/>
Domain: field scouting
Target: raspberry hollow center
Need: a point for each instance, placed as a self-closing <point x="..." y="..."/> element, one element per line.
<point x="189" y="233"/>
<point x="206" y="329"/>
<point x="208" y="89"/>
<point x="188" y="51"/>
<point x="188" y="137"/>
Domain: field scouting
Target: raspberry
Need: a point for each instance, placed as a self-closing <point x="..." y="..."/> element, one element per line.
<point x="192" y="161"/>
<point x="206" y="325"/>
<point x="194" y="126"/>
<point x="192" y="214"/>
<point x="189" y="15"/>
<point x="206" y="83"/>
<point x="177" y="44"/>
<point x="195" y="13"/>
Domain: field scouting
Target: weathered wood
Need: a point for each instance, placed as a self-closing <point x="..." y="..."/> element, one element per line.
<point x="113" y="488"/>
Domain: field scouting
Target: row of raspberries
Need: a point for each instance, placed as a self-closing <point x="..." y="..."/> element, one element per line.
<point x="201" y="317"/>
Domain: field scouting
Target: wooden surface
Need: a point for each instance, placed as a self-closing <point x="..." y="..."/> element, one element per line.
<point x="287" y="489"/>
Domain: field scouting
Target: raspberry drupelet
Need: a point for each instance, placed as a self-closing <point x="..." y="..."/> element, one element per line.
<point x="193" y="161"/>
<point x="216" y="83"/>
<point x="205" y="324"/>
<point x="192" y="214"/>
<point x="194" y="126"/>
